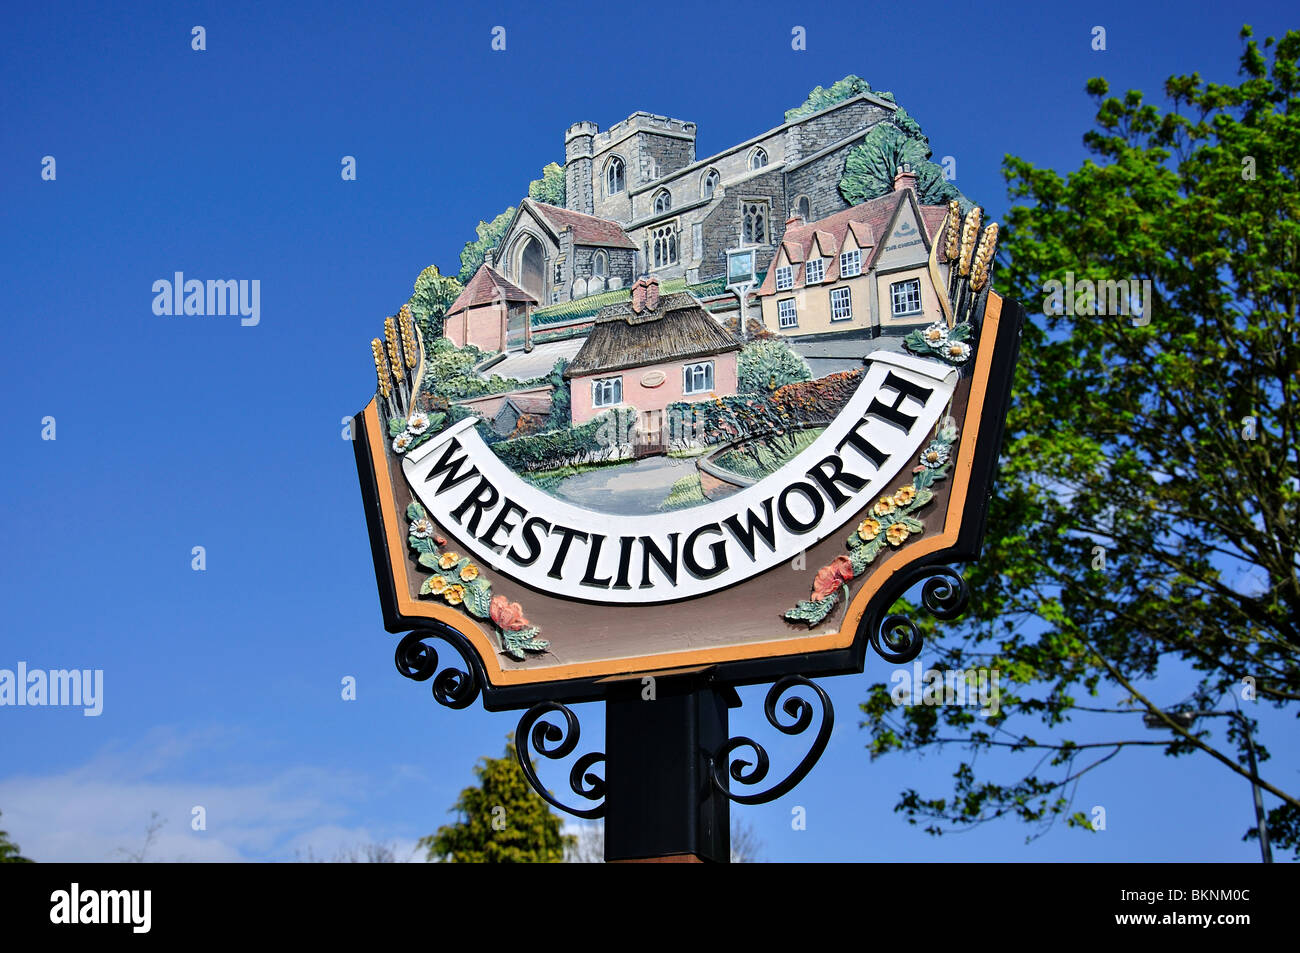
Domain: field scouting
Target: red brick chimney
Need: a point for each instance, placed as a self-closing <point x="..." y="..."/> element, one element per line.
<point x="905" y="178"/>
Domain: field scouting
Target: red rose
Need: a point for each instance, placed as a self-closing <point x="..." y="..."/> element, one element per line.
<point x="507" y="615"/>
<point x="830" y="578"/>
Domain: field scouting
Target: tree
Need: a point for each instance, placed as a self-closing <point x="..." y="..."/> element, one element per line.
<point x="1146" y="517"/>
<point x="763" y="366"/>
<point x="489" y="233"/>
<point x="550" y="187"/>
<point x="502" y="821"/>
<point x="434" y="293"/>
<point x="840" y="90"/>
<point x="10" y="853"/>
<point x="870" y="166"/>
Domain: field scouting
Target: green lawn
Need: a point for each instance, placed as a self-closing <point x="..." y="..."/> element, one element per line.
<point x="685" y="492"/>
<point x="763" y="456"/>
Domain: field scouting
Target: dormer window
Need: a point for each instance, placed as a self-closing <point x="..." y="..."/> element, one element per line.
<point x="815" y="271"/>
<point x="851" y="263"/>
<point x="615" y="176"/>
<point x="757" y="159"/>
<point x="663" y="201"/>
<point x="784" y="278"/>
<point x="710" y="184"/>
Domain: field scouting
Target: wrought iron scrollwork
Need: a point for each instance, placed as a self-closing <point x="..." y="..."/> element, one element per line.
<point x="417" y="660"/>
<point x="801" y="713"/>
<point x="945" y="595"/>
<point x="554" y="743"/>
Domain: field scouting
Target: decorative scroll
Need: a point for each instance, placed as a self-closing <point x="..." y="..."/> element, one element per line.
<point x="800" y="711"/>
<point x="417" y="660"/>
<point x="554" y="743"/>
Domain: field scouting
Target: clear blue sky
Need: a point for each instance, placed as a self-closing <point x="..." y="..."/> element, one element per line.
<point x="222" y="688"/>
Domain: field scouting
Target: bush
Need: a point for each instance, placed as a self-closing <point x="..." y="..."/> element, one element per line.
<point x="602" y="438"/>
<point x="765" y="366"/>
<point x="732" y="418"/>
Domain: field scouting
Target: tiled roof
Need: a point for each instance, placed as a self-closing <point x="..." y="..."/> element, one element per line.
<point x="867" y="222"/>
<point x="486" y="286"/>
<point x="679" y="329"/>
<point x="587" y="229"/>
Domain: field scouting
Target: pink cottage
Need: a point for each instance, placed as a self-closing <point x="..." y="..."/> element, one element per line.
<point x="648" y="353"/>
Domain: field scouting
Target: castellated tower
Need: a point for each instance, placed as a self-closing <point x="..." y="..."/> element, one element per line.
<point x="578" y="140"/>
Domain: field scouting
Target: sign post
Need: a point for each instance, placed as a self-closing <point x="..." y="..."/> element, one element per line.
<point x="741" y="278"/>
<point x="799" y="514"/>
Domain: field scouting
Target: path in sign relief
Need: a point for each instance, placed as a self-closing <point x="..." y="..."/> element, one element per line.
<point x="635" y="487"/>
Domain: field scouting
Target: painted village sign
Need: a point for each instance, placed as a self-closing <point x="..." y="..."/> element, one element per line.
<point x="590" y="472"/>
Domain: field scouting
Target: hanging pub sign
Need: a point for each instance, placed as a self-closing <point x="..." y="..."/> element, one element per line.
<point x="582" y="472"/>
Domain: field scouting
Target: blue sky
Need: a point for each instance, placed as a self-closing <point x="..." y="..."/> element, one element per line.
<point x="222" y="687"/>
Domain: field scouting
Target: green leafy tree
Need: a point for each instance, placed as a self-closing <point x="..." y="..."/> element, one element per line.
<point x="434" y="294"/>
<point x="10" y="852"/>
<point x="561" y="398"/>
<point x="1146" y="520"/>
<point x="489" y="234"/>
<point x="822" y="98"/>
<point x="869" y="168"/>
<point x="502" y="821"/>
<point x="763" y="366"/>
<point x="550" y="187"/>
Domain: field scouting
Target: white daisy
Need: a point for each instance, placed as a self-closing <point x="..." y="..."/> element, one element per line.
<point x="936" y="335"/>
<point x="402" y="442"/>
<point x="934" y="456"/>
<point x="956" y="351"/>
<point x="422" y="528"/>
<point x="418" y="423"/>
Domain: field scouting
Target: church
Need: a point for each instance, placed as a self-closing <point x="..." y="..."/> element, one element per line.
<point x="639" y="201"/>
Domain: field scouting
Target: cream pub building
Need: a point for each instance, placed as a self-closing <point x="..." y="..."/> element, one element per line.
<point x="863" y="269"/>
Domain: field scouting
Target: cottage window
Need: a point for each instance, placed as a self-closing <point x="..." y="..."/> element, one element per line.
<point x="615" y="176"/>
<point x="607" y="392"/>
<point x="754" y="223"/>
<point x="841" y="304"/>
<point x="663" y="241"/>
<point x="663" y="201"/>
<point x="786" y="315"/>
<point x="697" y="378"/>
<point x="710" y="184"/>
<point x="600" y="265"/>
<point x="906" y="297"/>
<point x="815" y="271"/>
<point x="784" y="278"/>
<point x="851" y="263"/>
<point x="757" y="159"/>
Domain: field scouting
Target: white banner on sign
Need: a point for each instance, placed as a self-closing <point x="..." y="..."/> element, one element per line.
<point x="559" y="547"/>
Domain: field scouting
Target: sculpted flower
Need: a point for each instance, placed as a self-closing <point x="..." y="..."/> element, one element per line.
<point x="508" y="615"/>
<point x="468" y="573"/>
<point x="956" y="351"/>
<point x="934" y="456"/>
<point x="437" y="584"/>
<point x="402" y="442"/>
<point x="447" y="560"/>
<point x="417" y="423"/>
<point x="830" y="578"/>
<point x="868" y="529"/>
<point x="884" y="506"/>
<point x="935" y="335"/>
<point x="896" y="534"/>
<point x="455" y="595"/>
<point x="904" y="495"/>
<point x="422" y="528"/>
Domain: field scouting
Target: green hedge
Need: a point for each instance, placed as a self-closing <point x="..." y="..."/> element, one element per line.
<point x="556" y="448"/>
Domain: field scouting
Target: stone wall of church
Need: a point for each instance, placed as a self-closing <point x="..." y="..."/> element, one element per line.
<point x="815" y="134"/>
<point x="722" y="226"/>
<point x="819" y="180"/>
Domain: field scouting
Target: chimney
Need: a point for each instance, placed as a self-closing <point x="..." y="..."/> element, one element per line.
<point x="904" y="178"/>
<point x="652" y="294"/>
<point x="639" y="295"/>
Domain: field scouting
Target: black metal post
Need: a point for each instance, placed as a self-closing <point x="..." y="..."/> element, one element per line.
<point x="660" y="802"/>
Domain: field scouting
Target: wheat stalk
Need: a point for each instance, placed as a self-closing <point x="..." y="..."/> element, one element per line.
<point x="952" y="223"/>
<point x="408" y="335"/>
<point x="969" y="229"/>
<point x="381" y="369"/>
<point x="984" y="257"/>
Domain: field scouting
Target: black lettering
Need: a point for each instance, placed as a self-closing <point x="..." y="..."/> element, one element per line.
<point x="624" y="561"/>
<point x="863" y="445"/>
<point x="827" y="481"/>
<point x="451" y="467"/>
<point x="753" y="527"/>
<point x="567" y="534"/>
<point x="500" y="523"/>
<point x="890" y="412"/>
<point x="484" y="497"/>
<point x="650" y="551"/>
<point x="815" y="498"/>
<point x="718" y="548"/>
<point x="589" y="578"/>
<point x="530" y="537"/>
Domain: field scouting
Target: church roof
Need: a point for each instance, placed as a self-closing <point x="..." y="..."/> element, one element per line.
<point x="678" y="329"/>
<point x="587" y="229"/>
<point x="486" y="286"/>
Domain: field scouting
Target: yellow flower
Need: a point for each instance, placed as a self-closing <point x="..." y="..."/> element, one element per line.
<point x="884" y="506"/>
<point x="468" y="573"/>
<point x="437" y="584"/>
<point x="868" y="529"/>
<point x="455" y="595"/>
<point x="447" y="560"/>
<point x="896" y="534"/>
<point x="904" y="495"/>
